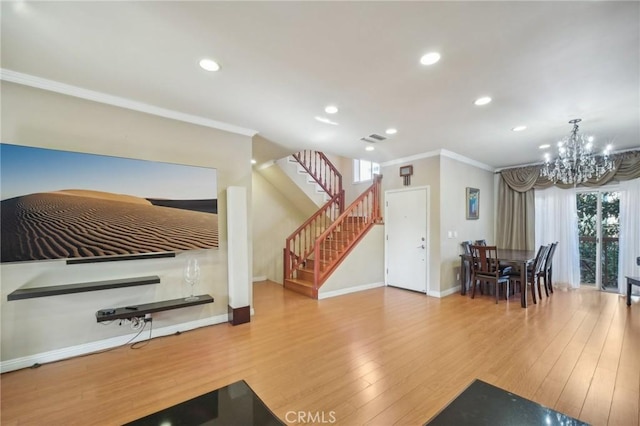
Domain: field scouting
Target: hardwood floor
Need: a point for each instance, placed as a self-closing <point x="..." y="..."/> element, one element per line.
<point x="380" y="357"/>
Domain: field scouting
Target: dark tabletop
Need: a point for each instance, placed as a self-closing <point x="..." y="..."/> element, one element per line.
<point x="484" y="404"/>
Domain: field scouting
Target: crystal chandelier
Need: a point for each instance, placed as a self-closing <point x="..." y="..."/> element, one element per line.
<point x="575" y="162"/>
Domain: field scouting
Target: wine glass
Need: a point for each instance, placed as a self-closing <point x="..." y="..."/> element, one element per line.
<point x="192" y="276"/>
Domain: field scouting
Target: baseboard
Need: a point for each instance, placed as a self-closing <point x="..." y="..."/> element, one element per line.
<point x="260" y="278"/>
<point x="348" y="290"/>
<point x="447" y="292"/>
<point x="100" y="345"/>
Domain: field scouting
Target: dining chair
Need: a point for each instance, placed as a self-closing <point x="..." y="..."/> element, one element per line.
<point x="548" y="268"/>
<point x="534" y="274"/>
<point x="486" y="268"/>
<point x="466" y="261"/>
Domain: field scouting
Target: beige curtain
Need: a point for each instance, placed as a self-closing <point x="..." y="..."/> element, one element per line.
<point x="515" y="217"/>
<point x="516" y="209"/>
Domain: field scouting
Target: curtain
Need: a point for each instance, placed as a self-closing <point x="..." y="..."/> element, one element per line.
<point x="515" y="227"/>
<point x="515" y="218"/>
<point x="629" y="248"/>
<point x="556" y="219"/>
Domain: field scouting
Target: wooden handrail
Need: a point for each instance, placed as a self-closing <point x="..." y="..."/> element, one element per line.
<point x="321" y="170"/>
<point x="298" y="246"/>
<point x="362" y="214"/>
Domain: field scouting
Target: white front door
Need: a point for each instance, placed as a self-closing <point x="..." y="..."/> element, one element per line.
<point x="406" y="239"/>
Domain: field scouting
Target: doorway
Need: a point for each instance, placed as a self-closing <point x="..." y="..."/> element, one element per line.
<point x="407" y="238"/>
<point x="598" y="233"/>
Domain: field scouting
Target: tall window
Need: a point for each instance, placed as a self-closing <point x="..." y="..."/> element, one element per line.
<point x="363" y="170"/>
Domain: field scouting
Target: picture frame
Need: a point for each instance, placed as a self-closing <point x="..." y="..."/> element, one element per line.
<point x="473" y="203"/>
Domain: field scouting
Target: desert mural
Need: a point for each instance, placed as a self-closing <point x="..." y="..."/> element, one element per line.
<point x="60" y="205"/>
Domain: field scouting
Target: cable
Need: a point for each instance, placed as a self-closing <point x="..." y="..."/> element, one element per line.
<point x="143" y="343"/>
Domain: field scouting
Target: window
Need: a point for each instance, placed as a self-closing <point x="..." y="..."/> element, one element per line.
<point x="364" y="170"/>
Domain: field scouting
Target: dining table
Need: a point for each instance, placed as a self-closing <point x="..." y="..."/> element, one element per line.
<point x="521" y="259"/>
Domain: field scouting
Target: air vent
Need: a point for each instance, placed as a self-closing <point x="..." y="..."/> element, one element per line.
<point x="377" y="137"/>
<point x="373" y="138"/>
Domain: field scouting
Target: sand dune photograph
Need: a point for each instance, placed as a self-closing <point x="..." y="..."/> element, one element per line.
<point x="63" y="205"/>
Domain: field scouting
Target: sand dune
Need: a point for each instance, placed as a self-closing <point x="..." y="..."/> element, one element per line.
<point x="103" y="195"/>
<point x="56" y="225"/>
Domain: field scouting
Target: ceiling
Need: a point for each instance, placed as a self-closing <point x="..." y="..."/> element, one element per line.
<point x="543" y="63"/>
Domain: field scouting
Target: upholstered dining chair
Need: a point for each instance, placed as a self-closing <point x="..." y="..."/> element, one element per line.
<point x="466" y="262"/>
<point x="548" y="269"/>
<point x="486" y="268"/>
<point x="534" y="274"/>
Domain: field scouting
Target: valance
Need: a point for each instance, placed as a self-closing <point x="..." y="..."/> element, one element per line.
<point x="522" y="179"/>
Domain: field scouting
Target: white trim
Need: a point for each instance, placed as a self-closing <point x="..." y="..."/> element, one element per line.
<point x="410" y="158"/>
<point x="259" y="278"/>
<point x="442" y="153"/>
<point x="100" y="345"/>
<point x="447" y="292"/>
<point x="467" y="160"/>
<point x="348" y="290"/>
<point x="79" y="92"/>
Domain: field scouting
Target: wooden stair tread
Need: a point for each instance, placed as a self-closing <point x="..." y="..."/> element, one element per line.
<point x="300" y="282"/>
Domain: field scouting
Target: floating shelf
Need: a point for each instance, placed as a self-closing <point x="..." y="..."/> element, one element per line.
<point x="149" y="308"/>
<point x="30" y="293"/>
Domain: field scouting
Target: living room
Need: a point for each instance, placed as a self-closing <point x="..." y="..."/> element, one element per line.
<point x="72" y="82"/>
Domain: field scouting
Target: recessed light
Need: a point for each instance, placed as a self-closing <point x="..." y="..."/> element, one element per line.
<point x="369" y="148"/>
<point x="482" y="101"/>
<point x="253" y="161"/>
<point x="209" y="65"/>
<point x="331" y="109"/>
<point x="519" y="128"/>
<point x="545" y="146"/>
<point x="430" y="58"/>
<point x="325" y="120"/>
<point x="391" y="131"/>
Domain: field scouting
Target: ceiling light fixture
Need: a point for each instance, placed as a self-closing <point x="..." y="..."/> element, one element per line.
<point x="544" y="146"/>
<point x="209" y="65"/>
<point x="519" y="128"/>
<point x="325" y="120"/>
<point x="482" y="101"/>
<point x="369" y="148"/>
<point x="575" y="163"/>
<point x="430" y="58"/>
<point x="391" y="131"/>
<point x="331" y="109"/>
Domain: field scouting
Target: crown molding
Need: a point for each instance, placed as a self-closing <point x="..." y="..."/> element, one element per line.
<point x="442" y="153"/>
<point x="91" y="95"/>
<point x="410" y="158"/>
<point x="467" y="160"/>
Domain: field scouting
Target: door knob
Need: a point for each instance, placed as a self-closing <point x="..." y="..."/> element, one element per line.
<point x="421" y="246"/>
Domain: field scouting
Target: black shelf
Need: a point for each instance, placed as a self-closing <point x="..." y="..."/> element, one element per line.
<point x="30" y="293"/>
<point x="149" y="308"/>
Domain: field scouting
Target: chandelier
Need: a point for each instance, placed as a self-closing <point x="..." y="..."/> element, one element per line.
<point x="575" y="162"/>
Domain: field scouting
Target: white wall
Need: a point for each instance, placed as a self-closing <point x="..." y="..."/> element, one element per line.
<point x="274" y="219"/>
<point x="363" y="268"/>
<point x="455" y="177"/>
<point x="34" y="117"/>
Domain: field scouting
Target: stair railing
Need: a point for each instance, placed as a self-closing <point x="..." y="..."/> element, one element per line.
<point x="299" y="245"/>
<point x="351" y="225"/>
<point x="322" y="171"/>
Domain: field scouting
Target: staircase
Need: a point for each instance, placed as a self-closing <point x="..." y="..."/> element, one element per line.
<point x="314" y="250"/>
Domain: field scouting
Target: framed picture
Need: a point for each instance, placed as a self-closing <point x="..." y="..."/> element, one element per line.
<point x="473" y="203"/>
<point x="64" y="205"/>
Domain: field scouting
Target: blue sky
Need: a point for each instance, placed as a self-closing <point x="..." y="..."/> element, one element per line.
<point x="26" y="170"/>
